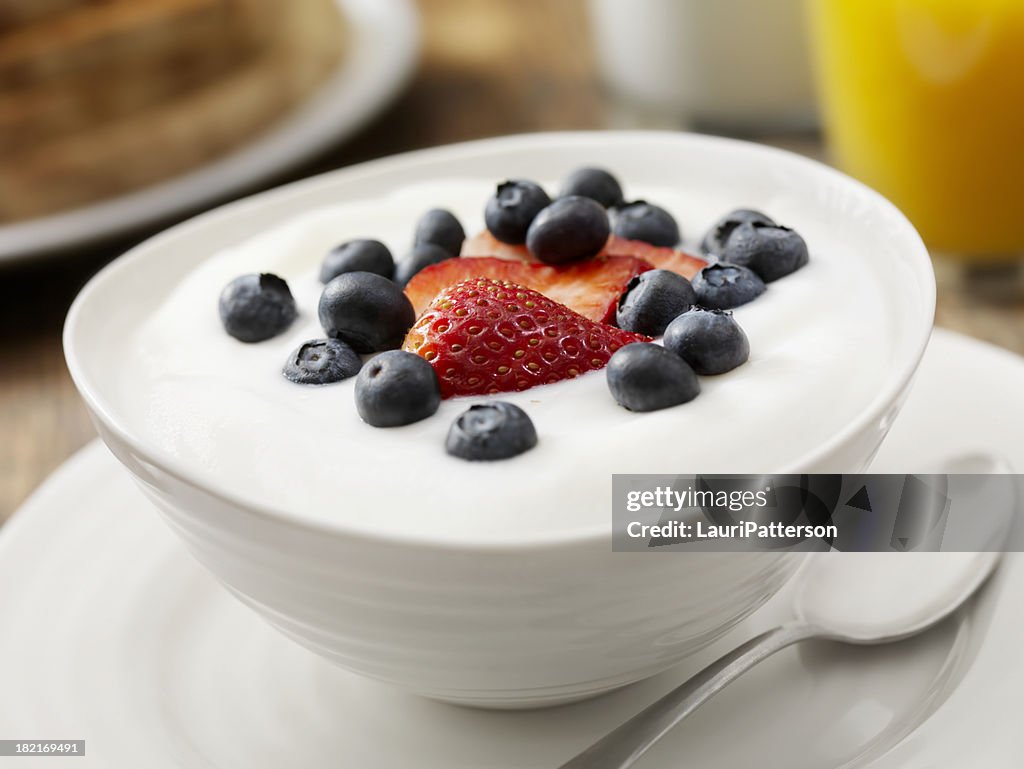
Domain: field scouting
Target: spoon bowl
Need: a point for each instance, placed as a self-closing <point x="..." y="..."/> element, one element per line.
<point x="879" y="611"/>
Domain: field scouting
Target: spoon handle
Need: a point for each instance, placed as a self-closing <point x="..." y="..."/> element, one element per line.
<point x="623" y="746"/>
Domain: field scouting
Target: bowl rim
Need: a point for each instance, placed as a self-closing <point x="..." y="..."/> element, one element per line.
<point x="898" y="379"/>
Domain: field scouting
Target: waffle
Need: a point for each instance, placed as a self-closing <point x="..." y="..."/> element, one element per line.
<point x="101" y="97"/>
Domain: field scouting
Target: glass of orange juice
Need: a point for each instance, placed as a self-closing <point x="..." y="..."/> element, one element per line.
<point x="924" y="101"/>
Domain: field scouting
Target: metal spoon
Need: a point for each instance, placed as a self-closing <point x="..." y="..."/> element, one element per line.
<point x="874" y="609"/>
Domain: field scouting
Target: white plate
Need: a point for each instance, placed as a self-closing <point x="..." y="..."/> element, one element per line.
<point x="113" y="635"/>
<point x="380" y="60"/>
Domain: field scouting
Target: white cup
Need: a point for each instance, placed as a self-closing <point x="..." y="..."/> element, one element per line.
<point x="741" y="65"/>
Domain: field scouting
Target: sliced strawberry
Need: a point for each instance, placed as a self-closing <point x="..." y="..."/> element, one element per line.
<point x="592" y="287"/>
<point x="687" y="265"/>
<point x="659" y="257"/>
<point x="487" y="336"/>
<point x="485" y="244"/>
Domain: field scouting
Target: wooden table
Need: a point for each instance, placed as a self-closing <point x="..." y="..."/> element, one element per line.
<point x="488" y="68"/>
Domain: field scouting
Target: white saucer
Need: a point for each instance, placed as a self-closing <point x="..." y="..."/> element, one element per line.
<point x="380" y="60"/>
<point x="113" y="635"/>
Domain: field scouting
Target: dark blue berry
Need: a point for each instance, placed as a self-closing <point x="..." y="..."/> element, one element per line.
<point x="769" y="250"/>
<point x="711" y="341"/>
<point x="256" y="307"/>
<point x="644" y="221"/>
<point x="422" y="255"/>
<point x="594" y="183"/>
<point x="512" y="208"/>
<point x="721" y="286"/>
<point x="441" y="228"/>
<point x="652" y="300"/>
<point x="569" y="229"/>
<point x="716" y="238"/>
<point x="322" y="361"/>
<point x="491" y="431"/>
<point x="361" y="255"/>
<point x="366" y="311"/>
<point x="647" y="377"/>
<point x="397" y="388"/>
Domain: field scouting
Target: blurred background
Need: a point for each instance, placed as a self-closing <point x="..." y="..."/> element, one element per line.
<point x="120" y="117"/>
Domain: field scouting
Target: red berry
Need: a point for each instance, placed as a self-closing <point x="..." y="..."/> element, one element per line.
<point x="486" y="336"/>
<point x="485" y="244"/>
<point x="591" y="287"/>
<point x="660" y="257"/>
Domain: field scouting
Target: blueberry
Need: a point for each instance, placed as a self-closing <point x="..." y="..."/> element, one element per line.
<point x="397" y="388"/>
<point x="441" y="228"/>
<point x="491" y="431"/>
<point x="652" y="300"/>
<point x="721" y="286"/>
<point x="769" y="250"/>
<point x="361" y="255"/>
<point x="322" y="361"/>
<point x="366" y="311"/>
<point x="647" y="377"/>
<point x="594" y="183"/>
<point x="641" y="220"/>
<point x="513" y="206"/>
<point x="711" y="341"/>
<point x="422" y="255"/>
<point x="256" y="307"/>
<point x="569" y="229"/>
<point x="716" y="238"/>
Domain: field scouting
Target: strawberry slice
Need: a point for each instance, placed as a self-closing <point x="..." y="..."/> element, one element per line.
<point x="486" y="336"/>
<point x="659" y="257"/>
<point x="681" y="262"/>
<point x="485" y="244"/>
<point x="592" y="287"/>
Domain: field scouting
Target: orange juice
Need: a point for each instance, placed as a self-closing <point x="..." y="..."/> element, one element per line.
<point x="924" y="101"/>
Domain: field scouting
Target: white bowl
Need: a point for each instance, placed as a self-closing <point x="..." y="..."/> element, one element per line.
<point x="495" y="624"/>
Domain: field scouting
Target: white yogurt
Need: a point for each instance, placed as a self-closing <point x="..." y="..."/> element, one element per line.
<point x="818" y="356"/>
